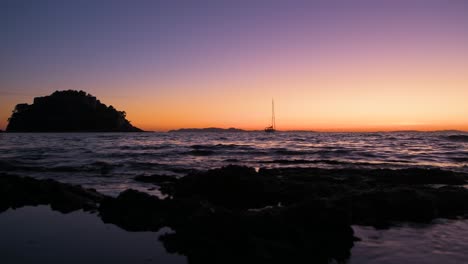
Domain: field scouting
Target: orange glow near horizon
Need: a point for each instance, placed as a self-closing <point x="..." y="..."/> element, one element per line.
<point x="328" y="68"/>
<point x="381" y="97"/>
<point x="374" y="97"/>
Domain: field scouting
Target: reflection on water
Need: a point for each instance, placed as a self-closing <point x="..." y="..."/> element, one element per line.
<point x="109" y="161"/>
<point x="40" y="235"/>
<point x="446" y="241"/>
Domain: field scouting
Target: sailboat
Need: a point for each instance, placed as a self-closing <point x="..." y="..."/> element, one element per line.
<point x="272" y="128"/>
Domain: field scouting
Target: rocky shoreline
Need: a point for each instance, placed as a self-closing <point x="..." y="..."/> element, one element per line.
<point x="236" y="213"/>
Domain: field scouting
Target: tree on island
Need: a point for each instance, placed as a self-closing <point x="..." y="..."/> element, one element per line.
<point x="68" y="111"/>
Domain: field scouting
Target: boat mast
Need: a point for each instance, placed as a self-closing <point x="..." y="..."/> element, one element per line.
<point x="273" y="124"/>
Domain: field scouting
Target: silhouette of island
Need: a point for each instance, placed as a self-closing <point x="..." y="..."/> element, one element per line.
<point x="68" y="111"/>
<point x="209" y="129"/>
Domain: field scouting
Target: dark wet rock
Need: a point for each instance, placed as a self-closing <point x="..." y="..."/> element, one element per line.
<point x="183" y="170"/>
<point x="18" y="191"/>
<point x="312" y="231"/>
<point x="234" y="187"/>
<point x="419" y="176"/>
<point x="134" y="211"/>
<point x="235" y="214"/>
<point x="156" y="179"/>
<point x="373" y="197"/>
<point x="68" y="111"/>
<point x="379" y="176"/>
<point x="313" y="222"/>
<point x="451" y="201"/>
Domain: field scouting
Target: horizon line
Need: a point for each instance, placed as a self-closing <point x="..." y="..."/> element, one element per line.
<point x="317" y="131"/>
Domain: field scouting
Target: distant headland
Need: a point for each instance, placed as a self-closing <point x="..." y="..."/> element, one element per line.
<point x="209" y="129"/>
<point x="68" y="111"/>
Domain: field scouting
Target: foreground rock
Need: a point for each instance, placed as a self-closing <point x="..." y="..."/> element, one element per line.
<point x="312" y="232"/>
<point x="68" y="111"/>
<point x="22" y="191"/>
<point x="134" y="211"/>
<point x="276" y="215"/>
<point x="233" y="187"/>
<point x="236" y="214"/>
<point x="157" y="179"/>
<point x="242" y="188"/>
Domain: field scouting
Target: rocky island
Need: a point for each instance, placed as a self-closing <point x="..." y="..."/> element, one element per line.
<point x="68" y="111"/>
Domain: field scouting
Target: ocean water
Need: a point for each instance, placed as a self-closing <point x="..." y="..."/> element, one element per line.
<point x="108" y="162"/>
<point x="443" y="241"/>
<point x="39" y="235"/>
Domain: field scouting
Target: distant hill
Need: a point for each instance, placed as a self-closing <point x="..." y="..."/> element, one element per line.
<point x="301" y="131"/>
<point x="209" y="129"/>
<point x="68" y="111"/>
<point x="430" y="131"/>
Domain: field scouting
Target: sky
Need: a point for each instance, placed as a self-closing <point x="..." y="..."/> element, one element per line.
<point x="329" y="65"/>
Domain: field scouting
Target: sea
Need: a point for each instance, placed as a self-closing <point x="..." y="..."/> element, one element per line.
<point x="109" y="162"/>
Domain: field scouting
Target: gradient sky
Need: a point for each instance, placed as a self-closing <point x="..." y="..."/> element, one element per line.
<point x="329" y="65"/>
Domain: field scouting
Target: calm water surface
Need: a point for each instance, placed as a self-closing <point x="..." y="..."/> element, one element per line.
<point x="33" y="235"/>
<point x="40" y="235"/>
<point x="444" y="241"/>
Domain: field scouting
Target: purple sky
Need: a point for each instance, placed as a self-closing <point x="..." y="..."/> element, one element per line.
<point x="165" y="49"/>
